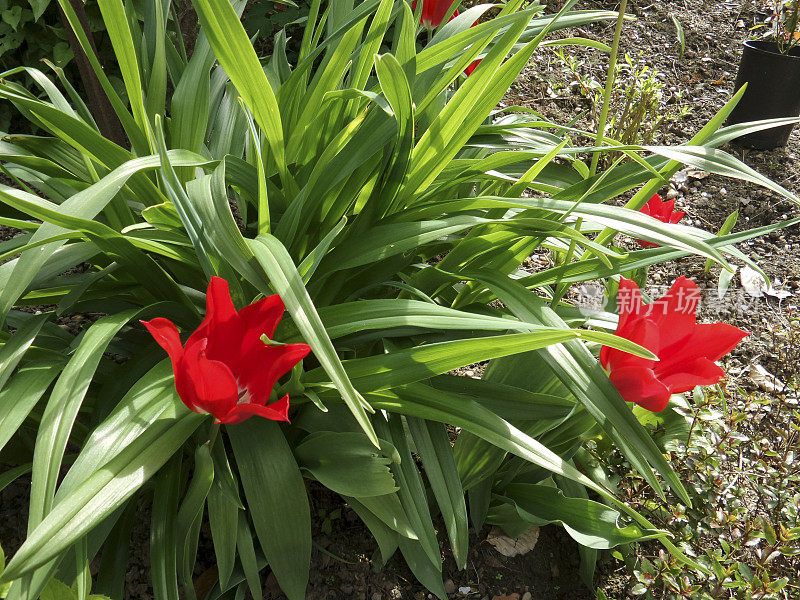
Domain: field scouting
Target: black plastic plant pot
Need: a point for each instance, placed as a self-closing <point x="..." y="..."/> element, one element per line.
<point x="773" y="91"/>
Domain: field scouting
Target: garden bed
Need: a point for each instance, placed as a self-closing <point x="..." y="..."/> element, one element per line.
<point x="756" y="468"/>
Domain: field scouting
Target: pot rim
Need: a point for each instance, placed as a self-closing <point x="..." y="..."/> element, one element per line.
<point x="772" y="49"/>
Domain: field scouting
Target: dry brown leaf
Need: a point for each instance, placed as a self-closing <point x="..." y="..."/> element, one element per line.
<point x="513" y="547"/>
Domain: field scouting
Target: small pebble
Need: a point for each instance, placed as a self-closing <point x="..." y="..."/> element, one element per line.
<point x="449" y="587"/>
<point x="526" y="596"/>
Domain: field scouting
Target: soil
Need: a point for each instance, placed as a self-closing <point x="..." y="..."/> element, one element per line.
<point x="702" y="80"/>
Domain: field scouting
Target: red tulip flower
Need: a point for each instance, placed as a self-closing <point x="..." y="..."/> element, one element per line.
<point x="433" y="12"/>
<point x="225" y="369"/>
<point x="664" y="211"/>
<point x="668" y="328"/>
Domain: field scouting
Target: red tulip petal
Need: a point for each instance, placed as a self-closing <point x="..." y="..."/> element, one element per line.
<point x="218" y="299"/>
<point x="260" y="318"/>
<point x="166" y="334"/>
<point x="604" y="356"/>
<point x="629" y="304"/>
<point x="473" y="65"/>
<point x="206" y="385"/>
<point x="642" y="331"/>
<point x="708" y="340"/>
<point x="277" y="411"/>
<point x="220" y="326"/>
<point x="691" y="373"/>
<point x="718" y="339"/>
<point x="262" y="369"/>
<point x="645" y="244"/>
<point x="675" y="314"/>
<point x="639" y="385"/>
<point x="433" y="11"/>
<point x="676" y="216"/>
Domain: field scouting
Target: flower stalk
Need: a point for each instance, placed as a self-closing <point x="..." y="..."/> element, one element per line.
<point x="610" y="78"/>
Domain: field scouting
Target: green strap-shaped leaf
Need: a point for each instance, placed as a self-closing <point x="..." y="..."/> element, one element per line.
<point x="287" y="283"/>
<point x="589" y="523"/>
<point x="389" y="511"/>
<point x="111" y="574"/>
<point x="15" y="348"/>
<point x="190" y="516"/>
<point x="433" y="446"/>
<point x="386" y="537"/>
<point x="136" y="135"/>
<point x="237" y="56"/>
<point x="61" y="411"/>
<point x="223" y="517"/>
<point x="116" y="21"/>
<point x="365" y="315"/>
<point x="104" y="491"/>
<point x="247" y="555"/>
<point x="277" y="501"/>
<point x="384" y="371"/>
<point x="412" y="491"/>
<point x="396" y="89"/>
<point x="23" y="392"/>
<point x="346" y="463"/>
<point x="424" y="570"/>
<point x="163" y="556"/>
<point x="84" y="205"/>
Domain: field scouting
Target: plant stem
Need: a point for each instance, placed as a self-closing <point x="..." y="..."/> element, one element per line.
<point x="610" y="77"/>
<point x="212" y="435"/>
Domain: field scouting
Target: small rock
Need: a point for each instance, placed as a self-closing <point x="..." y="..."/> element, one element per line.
<point x="465" y="590"/>
<point x="672" y="194"/>
<point x="449" y="587"/>
<point x="526" y="596"/>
